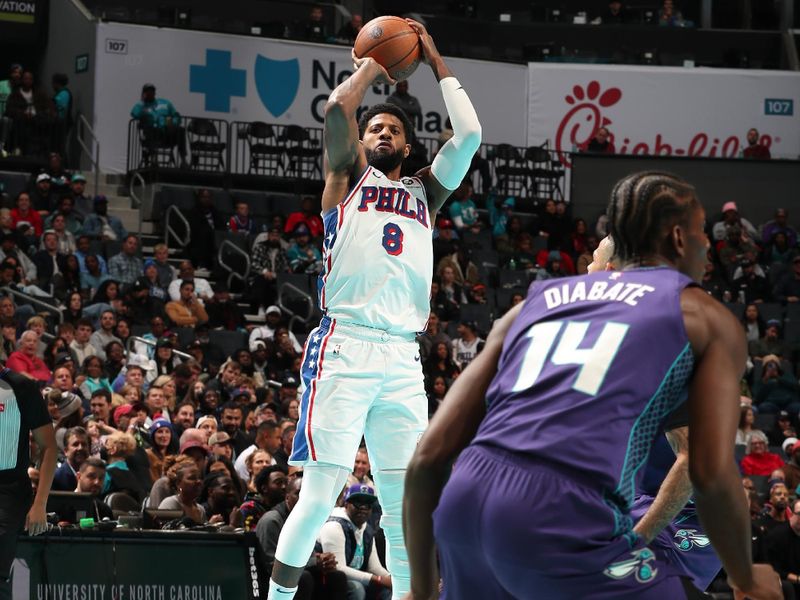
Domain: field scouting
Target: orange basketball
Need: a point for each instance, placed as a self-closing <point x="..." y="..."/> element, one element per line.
<point x="393" y="45"/>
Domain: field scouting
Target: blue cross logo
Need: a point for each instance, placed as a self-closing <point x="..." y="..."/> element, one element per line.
<point x="218" y="81"/>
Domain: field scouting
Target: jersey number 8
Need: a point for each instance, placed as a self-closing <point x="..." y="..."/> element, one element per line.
<point x="392" y="239"/>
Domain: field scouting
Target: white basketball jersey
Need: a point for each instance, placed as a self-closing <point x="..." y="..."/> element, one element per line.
<point x="378" y="255"/>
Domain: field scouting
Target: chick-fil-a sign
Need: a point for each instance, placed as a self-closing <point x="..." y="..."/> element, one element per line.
<point x="661" y="111"/>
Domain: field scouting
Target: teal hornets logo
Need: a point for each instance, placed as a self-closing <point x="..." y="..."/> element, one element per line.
<point x="686" y="539"/>
<point x="639" y="565"/>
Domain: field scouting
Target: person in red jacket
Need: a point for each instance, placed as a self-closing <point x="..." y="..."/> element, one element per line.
<point x="24" y="213"/>
<point x="306" y="215"/>
<point x="758" y="460"/>
<point x="25" y="361"/>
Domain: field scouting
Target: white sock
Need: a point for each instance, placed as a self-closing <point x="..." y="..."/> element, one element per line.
<point x="278" y="592"/>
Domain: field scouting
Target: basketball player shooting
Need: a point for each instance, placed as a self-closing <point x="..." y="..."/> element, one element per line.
<point x="361" y="366"/>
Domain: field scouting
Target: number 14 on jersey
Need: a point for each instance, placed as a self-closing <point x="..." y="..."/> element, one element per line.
<point x="566" y="337"/>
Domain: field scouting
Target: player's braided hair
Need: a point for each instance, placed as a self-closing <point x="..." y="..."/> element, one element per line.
<point x="644" y="207"/>
<point x="391" y="109"/>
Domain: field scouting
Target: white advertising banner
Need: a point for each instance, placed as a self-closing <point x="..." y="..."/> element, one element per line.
<point x="664" y="111"/>
<point x="240" y="78"/>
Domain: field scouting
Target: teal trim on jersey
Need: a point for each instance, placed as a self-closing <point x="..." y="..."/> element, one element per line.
<point x="10" y="427"/>
<point x="646" y="426"/>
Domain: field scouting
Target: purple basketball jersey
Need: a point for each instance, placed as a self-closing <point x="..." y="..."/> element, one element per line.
<point x="589" y="370"/>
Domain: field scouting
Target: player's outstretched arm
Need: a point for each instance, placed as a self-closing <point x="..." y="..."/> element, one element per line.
<point x="719" y="347"/>
<point x="453" y="159"/>
<point x="343" y="151"/>
<point x="451" y="429"/>
<point x="675" y="490"/>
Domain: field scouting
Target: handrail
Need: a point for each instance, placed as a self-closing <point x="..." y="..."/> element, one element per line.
<point x="34" y="300"/>
<point x="232" y="274"/>
<point x="168" y="230"/>
<point x="136" y="338"/>
<point x="138" y="202"/>
<point x="94" y="153"/>
<point x="306" y="297"/>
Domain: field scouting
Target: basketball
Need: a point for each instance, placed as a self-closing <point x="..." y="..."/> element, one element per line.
<point x="392" y="43"/>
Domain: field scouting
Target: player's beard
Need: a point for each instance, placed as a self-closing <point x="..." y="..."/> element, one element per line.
<point x="385" y="162"/>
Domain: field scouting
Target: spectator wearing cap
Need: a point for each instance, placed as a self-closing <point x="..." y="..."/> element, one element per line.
<point x="350" y="538"/>
<point x="165" y="358"/>
<point x="270" y="490"/>
<point x="784" y="430"/>
<point x="76" y="451"/>
<point x="100" y="225"/>
<point x="289" y="387"/>
<point x="159" y="121"/>
<point x="731" y="218"/>
<point x="758" y="460"/>
<point x="500" y="213"/>
<point x="202" y="289"/>
<point x="126" y="266"/>
<point x="42" y="193"/>
<point x="755" y="149"/>
<point x="84" y="204"/>
<point x="155" y="290"/>
<point x="273" y="317"/>
<point x="750" y="285"/>
<point x="467" y="345"/>
<point x="162" y="445"/>
<point x="303" y="256"/>
<point x="24" y="214"/>
<point x="788" y="288"/>
<point x="776" y="389"/>
<point x="269" y="260"/>
<point x="444" y="239"/>
<point x="59" y="176"/>
<point x="221" y="444"/>
<point x="24" y="359"/>
<point x="268" y="439"/>
<point x="770" y="344"/>
<point x="49" y="261"/>
<point x="187" y="311"/>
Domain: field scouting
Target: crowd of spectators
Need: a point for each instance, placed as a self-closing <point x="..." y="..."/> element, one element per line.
<point x="33" y="122"/>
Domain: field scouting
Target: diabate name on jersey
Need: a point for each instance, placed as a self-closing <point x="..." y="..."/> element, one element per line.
<point x="600" y="291"/>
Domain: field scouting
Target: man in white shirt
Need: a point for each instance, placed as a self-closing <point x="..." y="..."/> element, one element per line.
<point x="202" y="289"/>
<point x="267" y="331"/>
<point x="349" y="537"/>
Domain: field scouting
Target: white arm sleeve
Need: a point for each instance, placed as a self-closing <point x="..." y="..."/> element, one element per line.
<point x="453" y="160"/>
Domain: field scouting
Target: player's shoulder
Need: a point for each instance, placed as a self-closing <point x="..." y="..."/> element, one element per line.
<point x="707" y="320"/>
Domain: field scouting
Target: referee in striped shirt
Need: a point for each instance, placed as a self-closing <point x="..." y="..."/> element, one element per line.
<point x="22" y="411"/>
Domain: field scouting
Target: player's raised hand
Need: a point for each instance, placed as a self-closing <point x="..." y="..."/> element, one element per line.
<point x="381" y="75"/>
<point x="766" y="585"/>
<point x="429" y="50"/>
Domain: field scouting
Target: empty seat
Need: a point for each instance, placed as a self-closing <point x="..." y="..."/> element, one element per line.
<point x="228" y="341"/>
<point x="771" y="310"/>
